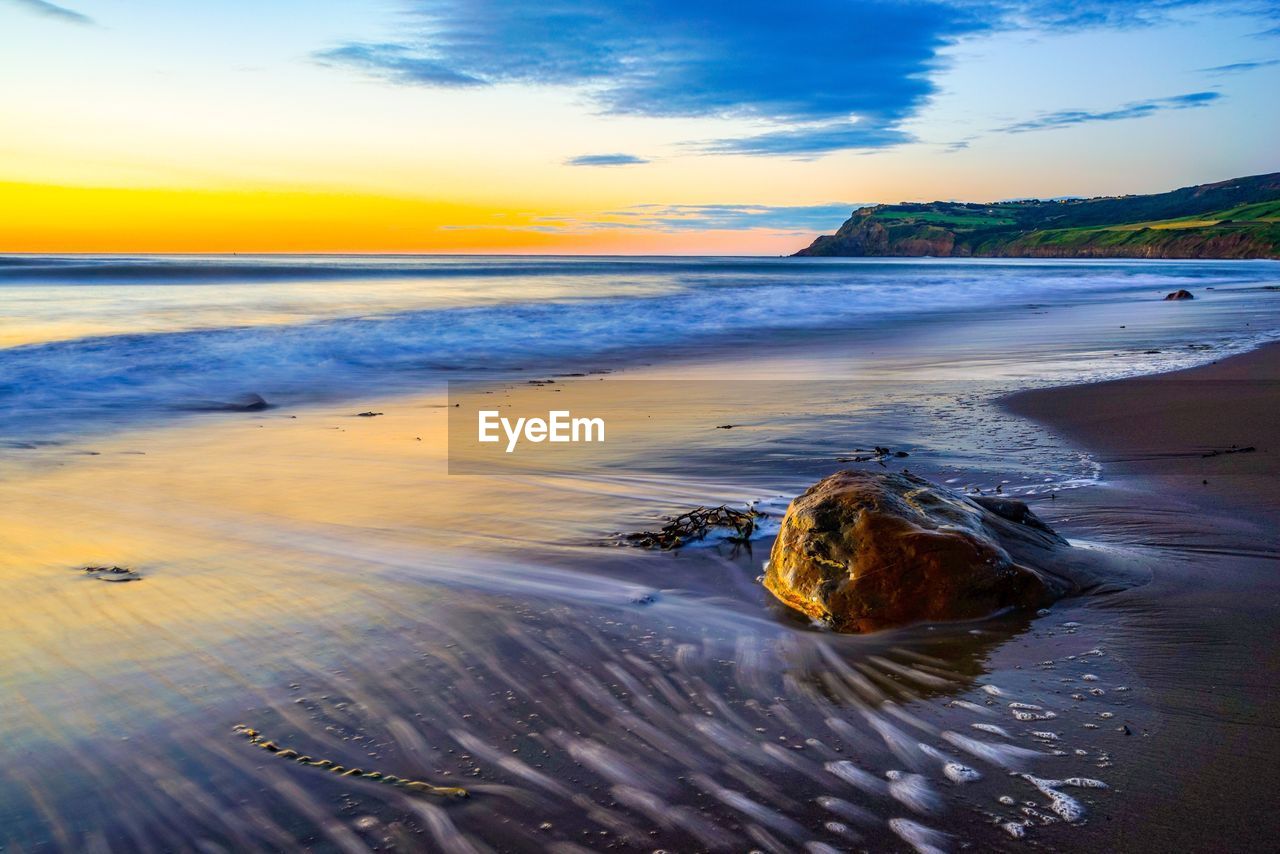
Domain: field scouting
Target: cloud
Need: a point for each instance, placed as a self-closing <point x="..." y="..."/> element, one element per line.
<point x="605" y="160"/>
<point x="52" y="10"/>
<point x="709" y="217"/>
<point x="811" y="140"/>
<point x="819" y="64"/>
<point x="1134" y="110"/>
<point x="396" y="63"/>
<point x="817" y="77"/>
<point x="1240" y="67"/>
<point x="1097" y="14"/>
<point x="674" y="219"/>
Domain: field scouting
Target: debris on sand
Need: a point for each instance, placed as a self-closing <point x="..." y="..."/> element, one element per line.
<point x="878" y="454"/>
<point x="111" y="573"/>
<point x="368" y="414"/>
<point x="255" y="738"/>
<point x="1234" y="449"/>
<point x="696" y="524"/>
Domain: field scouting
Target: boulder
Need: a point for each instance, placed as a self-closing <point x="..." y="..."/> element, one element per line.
<point x="862" y="551"/>
<point x="1180" y="294"/>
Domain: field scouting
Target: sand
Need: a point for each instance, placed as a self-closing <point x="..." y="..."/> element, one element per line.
<point x="322" y="577"/>
<point x="1172" y="429"/>
<point x="1202" y="635"/>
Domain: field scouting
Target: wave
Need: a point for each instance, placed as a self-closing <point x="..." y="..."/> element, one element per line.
<point x="595" y="312"/>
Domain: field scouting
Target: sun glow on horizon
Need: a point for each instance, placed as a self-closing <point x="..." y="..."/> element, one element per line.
<point x="432" y="128"/>
<point x="68" y="219"/>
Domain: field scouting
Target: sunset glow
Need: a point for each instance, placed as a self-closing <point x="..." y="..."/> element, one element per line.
<point x="408" y="127"/>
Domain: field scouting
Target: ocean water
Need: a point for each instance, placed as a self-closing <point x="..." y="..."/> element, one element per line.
<point x="91" y="344"/>
<point x="322" y="578"/>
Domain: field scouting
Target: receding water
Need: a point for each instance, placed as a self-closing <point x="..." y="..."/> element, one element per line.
<point x="321" y="578"/>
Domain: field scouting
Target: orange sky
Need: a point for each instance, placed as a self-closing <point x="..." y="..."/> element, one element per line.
<point x="136" y="220"/>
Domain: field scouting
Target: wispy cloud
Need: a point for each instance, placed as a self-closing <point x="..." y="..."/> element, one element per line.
<point x="736" y="217"/>
<point x="605" y="160"/>
<point x="52" y="10"/>
<point x="807" y="141"/>
<point x="1096" y="14"/>
<point x="1132" y="110"/>
<point x="397" y="63"/>
<point x="676" y="219"/>
<point x="1240" y="67"/>
<point x="708" y="217"/>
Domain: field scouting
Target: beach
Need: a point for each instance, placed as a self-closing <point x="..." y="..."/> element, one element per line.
<point x="1215" y="603"/>
<point x="326" y="571"/>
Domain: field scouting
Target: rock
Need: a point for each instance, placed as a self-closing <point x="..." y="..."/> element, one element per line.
<point x="1179" y="294"/>
<point x="250" y="402"/>
<point x="863" y="551"/>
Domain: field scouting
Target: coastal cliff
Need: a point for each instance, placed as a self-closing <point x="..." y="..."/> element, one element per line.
<point x="1230" y="219"/>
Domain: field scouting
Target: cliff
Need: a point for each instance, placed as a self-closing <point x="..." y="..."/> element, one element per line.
<point x="1229" y="219"/>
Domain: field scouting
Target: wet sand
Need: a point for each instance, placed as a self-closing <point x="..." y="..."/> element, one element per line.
<point x="1174" y="428"/>
<point x="1202" y="636"/>
<point x="320" y="577"/>
<point x="323" y="578"/>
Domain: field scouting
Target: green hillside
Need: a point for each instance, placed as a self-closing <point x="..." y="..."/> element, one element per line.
<point x="1229" y="219"/>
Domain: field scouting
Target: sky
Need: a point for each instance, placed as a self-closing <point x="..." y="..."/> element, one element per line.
<point x="601" y="126"/>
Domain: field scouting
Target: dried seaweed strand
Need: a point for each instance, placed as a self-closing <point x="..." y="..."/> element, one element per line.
<point x="332" y="767"/>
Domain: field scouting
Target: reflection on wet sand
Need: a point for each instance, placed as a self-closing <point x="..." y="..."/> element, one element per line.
<point x="321" y="580"/>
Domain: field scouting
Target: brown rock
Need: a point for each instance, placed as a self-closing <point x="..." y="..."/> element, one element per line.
<point x="864" y="551"/>
<point x="1180" y="294"/>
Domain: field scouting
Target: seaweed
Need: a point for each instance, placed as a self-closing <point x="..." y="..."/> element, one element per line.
<point x="695" y="525"/>
<point x="877" y="454"/>
<point x="255" y="738"/>
<point x="1234" y="449"/>
<point x="111" y="573"/>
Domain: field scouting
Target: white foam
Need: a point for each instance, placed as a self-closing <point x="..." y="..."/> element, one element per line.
<point x="914" y="792"/>
<point x="1016" y="829"/>
<point x="925" y="840"/>
<point x="957" y="773"/>
<point x="1034" y="716"/>
<point x="856" y="777"/>
<point x="1004" y="755"/>
<point x="1061" y="803"/>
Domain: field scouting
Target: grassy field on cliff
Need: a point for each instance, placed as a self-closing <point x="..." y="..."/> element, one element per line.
<point x="1230" y="219"/>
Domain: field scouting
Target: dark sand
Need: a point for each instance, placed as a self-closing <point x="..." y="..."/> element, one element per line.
<point x="1173" y="428"/>
<point x="1204" y="635"/>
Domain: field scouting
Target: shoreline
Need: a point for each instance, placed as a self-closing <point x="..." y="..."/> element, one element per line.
<point x="1200" y="633"/>
<point x="397" y="611"/>
<point x="1192" y="427"/>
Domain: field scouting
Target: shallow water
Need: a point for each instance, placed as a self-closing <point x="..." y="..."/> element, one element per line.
<point x="321" y="577"/>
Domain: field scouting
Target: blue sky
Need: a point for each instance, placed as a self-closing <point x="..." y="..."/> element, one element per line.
<point x="569" y="116"/>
